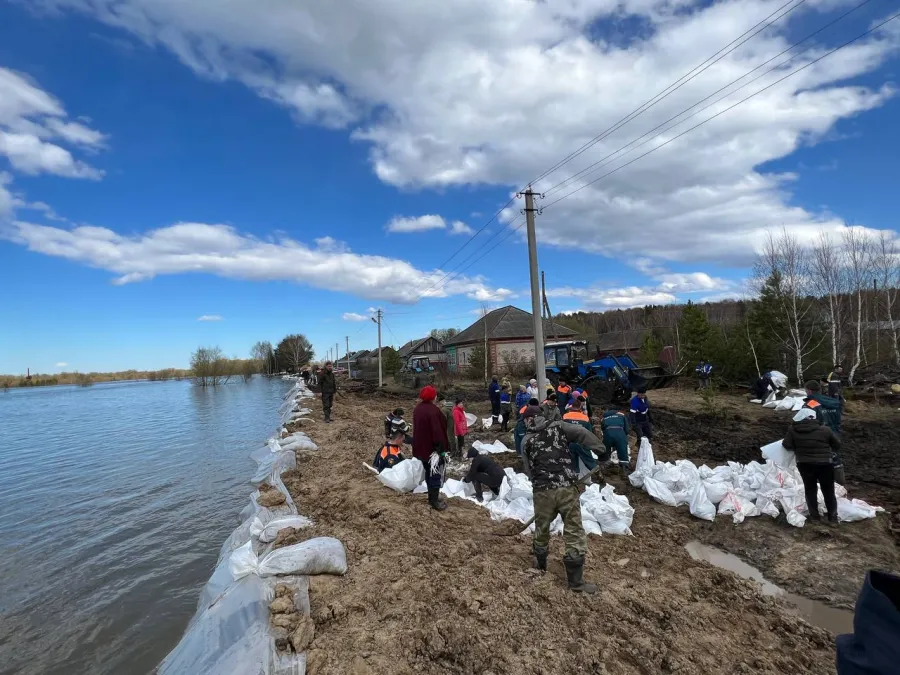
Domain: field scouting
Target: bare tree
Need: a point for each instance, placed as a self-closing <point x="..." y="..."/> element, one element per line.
<point x="858" y="251"/>
<point x="887" y="272"/>
<point x="209" y="367"/>
<point x="828" y="265"/>
<point x="785" y="259"/>
<point x="264" y="355"/>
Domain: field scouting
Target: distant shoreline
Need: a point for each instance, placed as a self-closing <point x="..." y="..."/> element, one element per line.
<point x="87" y="379"/>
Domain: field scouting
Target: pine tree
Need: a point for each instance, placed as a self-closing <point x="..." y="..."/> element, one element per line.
<point x="695" y="333"/>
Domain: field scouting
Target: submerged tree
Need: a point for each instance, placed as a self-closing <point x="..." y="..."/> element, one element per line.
<point x="209" y="367"/>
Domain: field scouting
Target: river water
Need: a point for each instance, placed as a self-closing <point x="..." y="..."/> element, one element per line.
<point x="114" y="502"/>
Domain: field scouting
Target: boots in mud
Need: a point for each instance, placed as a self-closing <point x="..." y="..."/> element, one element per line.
<point x="540" y="558"/>
<point x="575" y="574"/>
<point x="434" y="501"/>
<point x="624" y="469"/>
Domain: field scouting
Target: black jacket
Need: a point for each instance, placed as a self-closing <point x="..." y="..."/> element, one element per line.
<point x="327" y="383"/>
<point x="873" y="646"/>
<point x="812" y="442"/>
<point x="484" y="464"/>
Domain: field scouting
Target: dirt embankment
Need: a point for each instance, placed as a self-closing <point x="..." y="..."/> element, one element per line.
<point x="430" y="592"/>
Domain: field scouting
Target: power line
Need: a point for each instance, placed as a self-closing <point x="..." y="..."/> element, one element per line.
<point x="676" y="85"/>
<point x="722" y="112"/>
<point x="602" y="161"/>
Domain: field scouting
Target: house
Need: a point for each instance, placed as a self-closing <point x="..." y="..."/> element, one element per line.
<point x="423" y="348"/>
<point x="353" y="358"/>
<point x="619" y="342"/>
<point x="510" y="338"/>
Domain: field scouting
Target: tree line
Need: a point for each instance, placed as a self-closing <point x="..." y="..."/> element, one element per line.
<point x="210" y="367"/>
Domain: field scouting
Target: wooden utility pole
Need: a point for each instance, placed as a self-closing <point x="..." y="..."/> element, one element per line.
<point x="484" y="314"/>
<point x="546" y="307"/>
<point x="378" y="315"/>
<point x="347" y="338"/>
<point x="539" y="364"/>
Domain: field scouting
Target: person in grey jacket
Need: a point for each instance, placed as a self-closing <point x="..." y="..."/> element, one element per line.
<point x="813" y="445"/>
<point x="328" y="386"/>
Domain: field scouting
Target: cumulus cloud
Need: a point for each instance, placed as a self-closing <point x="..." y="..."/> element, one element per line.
<point x="459" y="227"/>
<point x="515" y="85"/>
<point x="224" y="251"/>
<point x="419" y="224"/>
<point x="61" y="364"/>
<point x="353" y="316"/>
<point x="210" y="317"/>
<point x="33" y="126"/>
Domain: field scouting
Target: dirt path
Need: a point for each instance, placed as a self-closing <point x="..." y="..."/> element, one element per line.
<point x="431" y="592"/>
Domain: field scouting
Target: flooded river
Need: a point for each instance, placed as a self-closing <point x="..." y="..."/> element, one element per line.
<point x="114" y="502"/>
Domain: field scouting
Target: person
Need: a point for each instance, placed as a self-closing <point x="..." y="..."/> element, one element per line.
<point x="813" y="443"/>
<point x="519" y="430"/>
<point x="562" y="394"/>
<point x="762" y="386"/>
<point x="521" y="400"/>
<point x="448" y="406"/>
<point x="828" y="412"/>
<point x="392" y="451"/>
<point x="582" y="460"/>
<point x="430" y="443"/>
<point x="532" y="389"/>
<point x="873" y="648"/>
<point x="328" y="387"/>
<point x="550" y="406"/>
<point x="836" y="382"/>
<point x="305" y="375"/>
<point x="390" y="419"/>
<point x="615" y="436"/>
<point x="545" y="454"/>
<point x="640" y="415"/>
<point x="704" y="372"/>
<point x="494" y="395"/>
<point x="460" y="425"/>
<point x="505" y="407"/>
<point x="483" y="471"/>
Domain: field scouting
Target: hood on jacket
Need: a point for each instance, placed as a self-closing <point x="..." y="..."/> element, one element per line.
<point x="807" y="426"/>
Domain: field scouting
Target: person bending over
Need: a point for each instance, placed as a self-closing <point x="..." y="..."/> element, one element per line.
<point x="483" y="472"/>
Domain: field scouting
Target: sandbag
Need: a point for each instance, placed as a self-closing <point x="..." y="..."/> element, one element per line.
<point x="266" y="532"/>
<point x="490" y="448"/>
<point x="852" y="510"/>
<point x="716" y="490"/>
<point x="779" y="379"/>
<point x="767" y="506"/>
<point x="322" y="555"/>
<point x="659" y="492"/>
<point x="738" y="506"/>
<point x="471" y="419"/>
<point x="700" y="504"/>
<point x="644" y="465"/>
<point x="404" y="476"/>
<point x="779" y="455"/>
<point x="612" y="513"/>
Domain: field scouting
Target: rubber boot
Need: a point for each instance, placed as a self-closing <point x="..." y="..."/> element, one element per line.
<point x="575" y="575"/>
<point x="839" y="474"/>
<point x="624" y="469"/>
<point x="540" y="558"/>
<point x="832" y="520"/>
<point x="436" y="503"/>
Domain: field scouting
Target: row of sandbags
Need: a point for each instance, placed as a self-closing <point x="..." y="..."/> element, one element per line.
<point x="232" y="631"/>
<point x="602" y="511"/>
<point x="739" y="490"/>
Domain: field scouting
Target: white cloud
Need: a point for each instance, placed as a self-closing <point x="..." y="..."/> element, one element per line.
<point x="32" y="126"/>
<point x="61" y="364"/>
<point x="614" y="298"/>
<point x="419" y="224"/>
<point x="459" y="227"/>
<point x="515" y="85"/>
<point x="210" y="317"/>
<point x="491" y="295"/>
<point x="353" y="316"/>
<point x="223" y="251"/>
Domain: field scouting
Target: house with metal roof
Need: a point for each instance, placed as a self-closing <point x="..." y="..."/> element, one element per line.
<point x="510" y="339"/>
<point x="423" y="348"/>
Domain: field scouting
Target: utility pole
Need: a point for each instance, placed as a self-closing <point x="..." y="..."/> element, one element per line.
<point x="347" y="338"/>
<point x="546" y="306"/>
<point x="337" y="348"/>
<point x="379" y="314"/>
<point x="484" y="313"/>
<point x="539" y="364"/>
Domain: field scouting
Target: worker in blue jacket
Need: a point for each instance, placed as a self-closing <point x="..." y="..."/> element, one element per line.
<point x="494" y="395"/>
<point x="704" y="372"/>
<point x="615" y="436"/>
<point x="640" y="415"/>
<point x="873" y="648"/>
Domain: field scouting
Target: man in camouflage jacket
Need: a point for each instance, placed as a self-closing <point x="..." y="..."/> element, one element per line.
<point x="545" y="453"/>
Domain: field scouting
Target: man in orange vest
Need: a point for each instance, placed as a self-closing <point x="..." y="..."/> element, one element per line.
<point x="392" y="451"/>
<point x="562" y="395"/>
<point x="582" y="459"/>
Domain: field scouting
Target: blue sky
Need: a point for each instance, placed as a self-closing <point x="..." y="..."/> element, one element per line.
<point x="164" y="161"/>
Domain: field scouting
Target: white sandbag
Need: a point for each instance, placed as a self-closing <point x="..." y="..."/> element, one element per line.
<point x="610" y="511"/>
<point x="767" y="506"/>
<point x="275" y="463"/>
<point x="690" y="474"/>
<point x="322" y="555"/>
<point x="737" y="506"/>
<point x="770" y="404"/>
<point x="644" y="465"/>
<point x="517" y="486"/>
<point x="770" y="398"/>
<point x="266" y="532"/>
<point x="778" y="378"/>
<point x="776" y="453"/>
<point x="756" y="400"/>
<point x="785" y="404"/>
<point x="490" y="448"/>
<point x="716" y="490"/>
<point x="659" y="492"/>
<point x="850" y="511"/>
<point x="471" y="419"/>
<point x="403" y="476"/>
<point x="486" y="422"/>
<point x="298" y="441"/>
<point x="798" y="404"/>
<point x="797" y="393"/>
<point x="700" y="504"/>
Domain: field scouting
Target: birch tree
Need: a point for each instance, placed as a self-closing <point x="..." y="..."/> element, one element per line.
<point x="828" y="265"/>
<point x="887" y="272"/>
<point x="858" y="252"/>
<point x="785" y="267"/>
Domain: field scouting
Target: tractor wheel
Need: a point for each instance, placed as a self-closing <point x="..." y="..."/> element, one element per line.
<point x="600" y="392"/>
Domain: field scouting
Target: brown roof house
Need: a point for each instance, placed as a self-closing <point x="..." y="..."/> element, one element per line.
<point x="427" y="347"/>
<point x="510" y="337"/>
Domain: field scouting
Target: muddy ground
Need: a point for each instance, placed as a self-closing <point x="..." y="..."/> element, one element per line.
<point x="430" y="592"/>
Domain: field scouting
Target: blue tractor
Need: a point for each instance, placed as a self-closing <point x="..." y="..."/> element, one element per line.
<point x="606" y="379"/>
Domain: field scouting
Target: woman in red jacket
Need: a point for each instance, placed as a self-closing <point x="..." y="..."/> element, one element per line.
<point x="461" y="426"/>
<point x="430" y="443"/>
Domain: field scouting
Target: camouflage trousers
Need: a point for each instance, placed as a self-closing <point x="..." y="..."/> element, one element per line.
<point x="566" y="502"/>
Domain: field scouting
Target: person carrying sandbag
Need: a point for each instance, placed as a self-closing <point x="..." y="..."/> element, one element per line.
<point x="813" y="444"/>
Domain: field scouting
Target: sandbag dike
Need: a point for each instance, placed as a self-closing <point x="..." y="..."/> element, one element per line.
<point x="253" y="617"/>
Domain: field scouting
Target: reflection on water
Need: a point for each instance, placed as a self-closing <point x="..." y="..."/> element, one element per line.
<point x="114" y="501"/>
<point x="819" y="614"/>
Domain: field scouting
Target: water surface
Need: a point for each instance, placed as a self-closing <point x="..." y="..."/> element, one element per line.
<point x="114" y="502"/>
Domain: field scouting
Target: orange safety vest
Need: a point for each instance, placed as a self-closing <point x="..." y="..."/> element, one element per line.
<point x="564" y="389"/>
<point x="576" y="416"/>
<point x="522" y="409"/>
<point x="812" y="403"/>
<point x="389" y="449"/>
